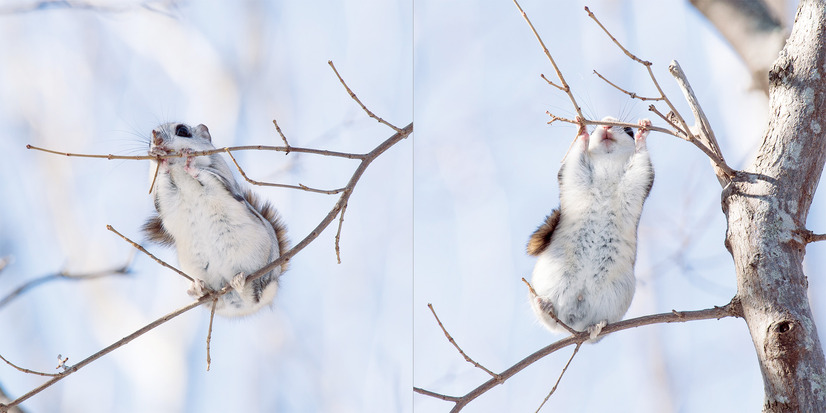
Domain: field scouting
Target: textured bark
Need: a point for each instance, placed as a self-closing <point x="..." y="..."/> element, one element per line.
<point x="766" y="206"/>
<point x="752" y="31"/>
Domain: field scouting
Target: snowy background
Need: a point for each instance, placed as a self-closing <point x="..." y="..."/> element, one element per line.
<point x="338" y="338"/>
<point x="485" y="177"/>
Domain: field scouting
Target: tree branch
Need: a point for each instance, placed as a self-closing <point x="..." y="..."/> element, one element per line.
<point x="63" y="275"/>
<point x="353" y="95"/>
<point x="27" y="371"/>
<point x="207" y="152"/>
<point x="452" y="341"/>
<point x="209" y="331"/>
<point x="632" y="95"/>
<point x="706" y="134"/>
<point x="732" y="309"/>
<point x="558" y="379"/>
<point x="299" y="186"/>
<point x="143" y="250"/>
<point x="815" y="237"/>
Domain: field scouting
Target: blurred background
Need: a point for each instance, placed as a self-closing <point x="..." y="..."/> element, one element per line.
<point x="485" y="177"/>
<point x="96" y="77"/>
<point x="442" y="220"/>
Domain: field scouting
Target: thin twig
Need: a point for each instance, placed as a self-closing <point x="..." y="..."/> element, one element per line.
<point x="439" y="396"/>
<point x="564" y="86"/>
<point x="283" y="138"/>
<point x="353" y="95"/>
<point x="207" y="152"/>
<point x="558" y="379"/>
<point x="209" y="331"/>
<point x="715" y="160"/>
<point x="63" y="275"/>
<point x="700" y="118"/>
<point x="677" y="131"/>
<point x="338" y="232"/>
<point x="551" y="83"/>
<point x="307" y="188"/>
<point x="628" y="125"/>
<point x="21" y="369"/>
<point x="620" y="124"/>
<point x="647" y="65"/>
<point x="555" y="118"/>
<point x="630" y="94"/>
<point x="732" y="309"/>
<point x="143" y="250"/>
<point x="155" y="175"/>
<point x="534" y="296"/>
<point x="627" y="53"/>
<point x="581" y="122"/>
<point x="721" y="169"/>
<point x="452" y="341"/>
<point x="299" y="186"/>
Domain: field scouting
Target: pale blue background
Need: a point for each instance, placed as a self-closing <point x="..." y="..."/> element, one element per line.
<point x="338" y="338"/>
<point x="441" y="218"/>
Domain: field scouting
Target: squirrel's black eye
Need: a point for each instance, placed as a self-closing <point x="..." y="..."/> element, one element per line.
<point x="182" y="131"/>
<point x="629" y="131"/>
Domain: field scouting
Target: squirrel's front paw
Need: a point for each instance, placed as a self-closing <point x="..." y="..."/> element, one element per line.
<point x="642" y="133"/>
<point x="158" y="151"/>
<point x="582" y="132"/>
<point x="192" y="171"/>
<point x="197" y="289"/>
<point x="595" y="329"/>
<point x="238" y="282"/>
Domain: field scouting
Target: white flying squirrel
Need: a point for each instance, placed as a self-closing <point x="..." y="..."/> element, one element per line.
<point x="586" y="248"/>
<point x="222" y="233"/>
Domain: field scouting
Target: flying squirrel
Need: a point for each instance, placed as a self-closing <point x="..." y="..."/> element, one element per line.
<point x="586" y="248"/>
<point x="221" y="232"/>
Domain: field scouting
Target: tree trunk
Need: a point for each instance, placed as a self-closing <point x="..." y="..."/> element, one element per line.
<point x="766" y="207"/>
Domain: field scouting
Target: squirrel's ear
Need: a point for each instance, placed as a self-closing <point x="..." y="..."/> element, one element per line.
<point x="202" y="132"/>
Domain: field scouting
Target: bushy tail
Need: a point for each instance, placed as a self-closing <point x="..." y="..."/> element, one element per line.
<point x="541" y="238"/>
